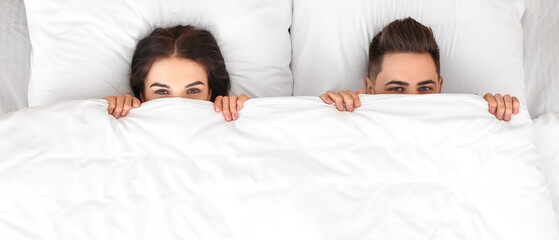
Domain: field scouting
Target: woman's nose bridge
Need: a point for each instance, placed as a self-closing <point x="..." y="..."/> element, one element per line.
<point x="179" y="94"/>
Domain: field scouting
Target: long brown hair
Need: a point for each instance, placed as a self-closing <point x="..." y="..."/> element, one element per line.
<point x="188" y="42"/>
<point x="405" y="35"/>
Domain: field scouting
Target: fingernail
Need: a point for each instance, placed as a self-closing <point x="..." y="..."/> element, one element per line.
<point x="228" y="118"/>
<point x="493" y="110"/>
<point x="508" y="117"/>
<point x="357" y="103"/>
<point x="234" y="116"/>
<point x="238" y="107"/>
<point x="500" y="116"/>
<point x="340" y="107"/>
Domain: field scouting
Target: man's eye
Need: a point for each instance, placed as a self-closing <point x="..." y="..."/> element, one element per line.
<point x="397" y="89"/>
<point x="424" y="89"/>
<point x="161" y="92"/>
<point x="193" y="91"/>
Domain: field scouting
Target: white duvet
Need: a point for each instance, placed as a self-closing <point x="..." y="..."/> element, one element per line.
<point x="546" y="129"/>
<point x="400" y="167"/>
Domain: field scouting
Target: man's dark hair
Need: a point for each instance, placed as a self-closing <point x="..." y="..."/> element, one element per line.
<point x="188" y="42"/>
<point x="404" y="35"/>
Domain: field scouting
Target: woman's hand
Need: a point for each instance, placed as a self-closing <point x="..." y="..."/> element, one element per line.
<point x="230" y="106"/>
<point x="347" y="99"/>
<point x="120" y="105"/>
<point x="502" y="106"/>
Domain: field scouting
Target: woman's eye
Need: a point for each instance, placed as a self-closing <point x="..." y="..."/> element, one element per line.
<point x="397" y="89"/>
<point x="424" y="89"/>
<point x="161" y="92"/>
<point x="193" y="91"/>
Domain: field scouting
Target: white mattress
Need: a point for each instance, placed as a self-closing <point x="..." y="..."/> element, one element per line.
<point x="14" y="56"/>
<point x="400" y="167"/>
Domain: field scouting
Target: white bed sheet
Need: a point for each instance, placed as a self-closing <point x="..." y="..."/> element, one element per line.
<point x="400" y="167"/>
<point x="14" y="56"/>
<point x="546" y="128"/>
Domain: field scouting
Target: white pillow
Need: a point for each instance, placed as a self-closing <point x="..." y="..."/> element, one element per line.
<point x="480" y="42"/>
<point x="541" y="55"/>
<point x="14" y="56"/>
<point x="82" y="48"/>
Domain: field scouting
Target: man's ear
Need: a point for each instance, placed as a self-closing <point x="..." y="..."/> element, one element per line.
<point x="369" y="88"/>
<point x="440" y="84"/>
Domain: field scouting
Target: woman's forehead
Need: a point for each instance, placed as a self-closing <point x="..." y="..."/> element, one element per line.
<point x="176" y="71"/>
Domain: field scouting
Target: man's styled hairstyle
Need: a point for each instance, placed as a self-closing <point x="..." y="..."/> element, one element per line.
<point x="406" y="36"/>
<point x="188" y="42"/>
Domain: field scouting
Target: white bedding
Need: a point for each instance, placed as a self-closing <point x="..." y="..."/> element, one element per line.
<point x="400" y="167"/>
<point x="546" y="129"/>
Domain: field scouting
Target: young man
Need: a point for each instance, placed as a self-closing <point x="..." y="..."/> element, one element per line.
<point x="404" y="59"/>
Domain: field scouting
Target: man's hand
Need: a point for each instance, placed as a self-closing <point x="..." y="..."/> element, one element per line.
<point x="345" y="100"/>
<point x="230" y="106"/>
<point x="120" y="105"/>
<point x="502" y="106"/>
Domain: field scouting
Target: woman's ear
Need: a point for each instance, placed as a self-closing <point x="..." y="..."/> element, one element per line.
<point x="440" y="84"/>
<point x="369" y="88"/>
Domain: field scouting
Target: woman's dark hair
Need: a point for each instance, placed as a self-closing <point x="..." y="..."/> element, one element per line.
<point x="405" y="35"/>
<point x="188" y="42"/>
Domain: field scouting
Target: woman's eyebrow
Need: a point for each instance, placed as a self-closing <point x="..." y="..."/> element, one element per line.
<point x="397" y="83"/>
<point x="159" y="85"/>
<point x="194" y="84"/>
<point x="426" y="82"/>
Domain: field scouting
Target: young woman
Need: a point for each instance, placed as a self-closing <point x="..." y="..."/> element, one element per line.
<point x="180" y="61"/>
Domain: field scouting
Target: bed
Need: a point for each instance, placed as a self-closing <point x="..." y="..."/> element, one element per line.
<point x="292" y="167"/>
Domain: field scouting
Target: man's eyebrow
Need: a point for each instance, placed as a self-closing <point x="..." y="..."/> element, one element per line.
<point x="159" y="85"/>
<point x="194" y="84"/>
<point x="426" y="82"/>
<point x="397" y="83"/>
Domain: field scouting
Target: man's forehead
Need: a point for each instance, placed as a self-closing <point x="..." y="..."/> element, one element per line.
<point x="410" y="68"/>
